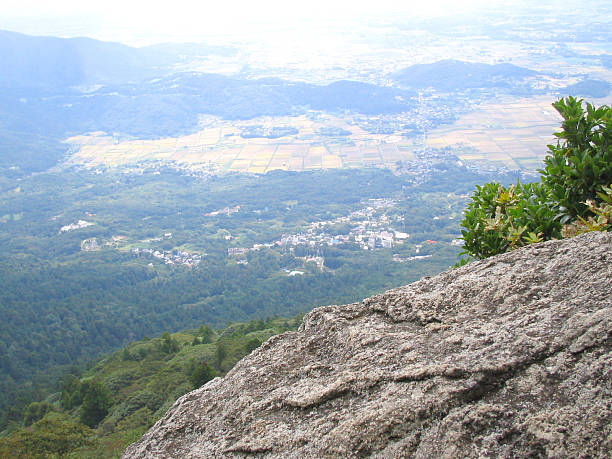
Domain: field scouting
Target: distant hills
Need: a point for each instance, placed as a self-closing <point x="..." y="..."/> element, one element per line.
<point x="57" y="63"/>
<point x="453" y="75"/>
<point x="588" y="88"/>
<point x="238" y="98"/>
<point x="51" y="88"/>
<point x="50" y="62"/>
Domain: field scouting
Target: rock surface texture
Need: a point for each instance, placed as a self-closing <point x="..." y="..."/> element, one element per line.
<point x="507" y="357"/>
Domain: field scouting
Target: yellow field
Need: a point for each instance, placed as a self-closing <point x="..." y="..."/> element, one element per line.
<point x="514" y="134"/>
<point x="220" y="148"/>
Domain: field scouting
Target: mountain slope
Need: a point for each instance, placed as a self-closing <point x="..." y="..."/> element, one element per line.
<point x="142" y="380"/>
<point x="507" y="357"/>
<point x="54" y="62"/>
<point x="41" y="62"/>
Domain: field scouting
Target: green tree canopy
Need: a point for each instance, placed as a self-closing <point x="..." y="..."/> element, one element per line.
<point x="55" y="435"/>
<point x="202" y="373"/>
<point x="36" y="411"/>
<point x="96" y="402"/>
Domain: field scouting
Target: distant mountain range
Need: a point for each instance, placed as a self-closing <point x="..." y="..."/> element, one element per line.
<point x="588" y="88"/>
<point x="51" y="88"/>
<point x="54" y="63"/>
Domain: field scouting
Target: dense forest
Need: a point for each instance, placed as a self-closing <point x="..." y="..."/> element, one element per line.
<point x="63" y="303"/>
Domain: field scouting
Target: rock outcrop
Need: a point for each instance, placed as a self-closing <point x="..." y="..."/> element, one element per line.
<point x="506" y="357"/>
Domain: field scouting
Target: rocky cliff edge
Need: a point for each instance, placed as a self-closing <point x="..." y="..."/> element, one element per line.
<point x="506" y="357"/>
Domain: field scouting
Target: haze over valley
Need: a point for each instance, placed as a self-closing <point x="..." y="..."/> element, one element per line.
<point x="390" y="82"/>
<point x="203" y="167"/>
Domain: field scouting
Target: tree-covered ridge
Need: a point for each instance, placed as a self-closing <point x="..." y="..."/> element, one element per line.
<point x="99" y="412"/>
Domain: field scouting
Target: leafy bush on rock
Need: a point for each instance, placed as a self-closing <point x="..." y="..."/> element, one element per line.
<point x="581" y="162"/>
<point x="572" y="196"/>
<point x="499" y="219"/>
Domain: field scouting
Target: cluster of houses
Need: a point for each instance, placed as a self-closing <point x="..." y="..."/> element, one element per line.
<point x="318" y="261"/>
<point x="170" y="257"/>
<point x="399" y="259"/>
<point x="369" y="228"/>
<point x="74" y="226"/>
<point x="225" y="211"/>
<point x="90" y="245"/>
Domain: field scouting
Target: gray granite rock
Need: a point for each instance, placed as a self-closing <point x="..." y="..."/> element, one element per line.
<point x="506" y="357"/>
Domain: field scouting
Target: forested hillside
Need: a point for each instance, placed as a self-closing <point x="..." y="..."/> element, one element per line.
<point x="97" y="412"/>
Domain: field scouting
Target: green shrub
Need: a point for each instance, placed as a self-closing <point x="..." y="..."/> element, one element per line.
<point x="581" y="162"/>
<point x="96" y="402"/>
<point x="36" y="411"/>
<point x="206" y="333"/>
<point x="55" y="435"/>
<point x="572" y="190"/>
<point x="601" y="220"/>
<point x="251" y="345"/>
<point x="499" y="219"/>
<point x="202" y="374"/>
<point x="169" y="345"/>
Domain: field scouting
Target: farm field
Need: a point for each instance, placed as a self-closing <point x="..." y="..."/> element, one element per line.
<point x="219" y="147"/>
<point x="512" y="133"/>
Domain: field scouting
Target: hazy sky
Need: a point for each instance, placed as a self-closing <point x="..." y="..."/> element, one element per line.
<point x="177" y="19"/>
<point x="243" y="9"/>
